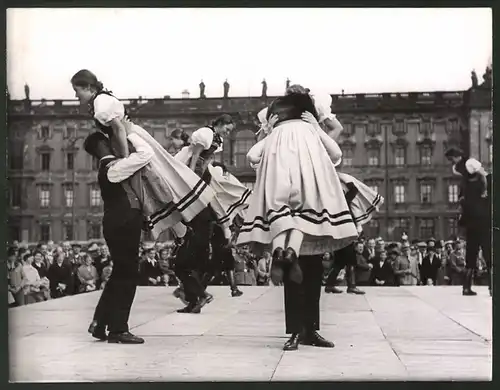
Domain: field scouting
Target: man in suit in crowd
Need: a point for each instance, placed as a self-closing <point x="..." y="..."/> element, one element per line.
<point x="122" y="226"/>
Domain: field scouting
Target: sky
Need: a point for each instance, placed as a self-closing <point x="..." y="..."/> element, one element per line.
<point x="157" y="52"/>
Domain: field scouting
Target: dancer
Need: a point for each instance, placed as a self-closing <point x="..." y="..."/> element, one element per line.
<point x="169" y="192"/>
<point x="293" y="207"/>
<point x="122" y="225"/>
<point x="475" y="201"/>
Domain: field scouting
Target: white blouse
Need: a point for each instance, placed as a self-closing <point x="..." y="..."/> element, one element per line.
<point x="107" y="108"/>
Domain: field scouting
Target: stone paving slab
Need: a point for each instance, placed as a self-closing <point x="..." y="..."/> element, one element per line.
<point x="406" y="333"/>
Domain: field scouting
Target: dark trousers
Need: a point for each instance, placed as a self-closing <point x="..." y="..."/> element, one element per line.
<point x="341" y="258"/>
<point x="193" y="256"/>
<point x="302" y="300"/>
<point x="118" y="295"/>
<point x="478" y="235"/>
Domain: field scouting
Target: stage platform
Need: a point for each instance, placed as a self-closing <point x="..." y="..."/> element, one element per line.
<point x="405" y="333"/>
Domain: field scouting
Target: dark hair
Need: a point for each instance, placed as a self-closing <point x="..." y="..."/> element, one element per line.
<point x="92" y="142"/>
<point x="454" y="152"/>
<point x="219" y="164"/>
<point x="296" y="88"/>
<point x="85" y="78"/>
<point x="12" y="252"/>
<point x="176" y="133"/>
<point x="185" y="138"/>
<point x="37" y="253"/>
<point x="224" y="119"/>
<point x="27" y="256"/>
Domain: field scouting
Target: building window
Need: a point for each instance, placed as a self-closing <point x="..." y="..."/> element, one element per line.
<point x="95" y="196"/>
<point x="386" y="128"/>
<point x="44" y="196"/>
<point x="452" y="227"/>
<point x="45" y="132"/>
<point x="374" y="187"/>
<point x="373" y="228"/>
<point x="45" y="232"/>
<point x="373" y="129"/>
<point x="454" y="126"/>
<point x="16" y="154"/>
<point x="399" y="128"/>
<point x="243" y="142"/>
<point x="16" y="194"/>
<point x="70" y="131"/>
<point x="373" y="157"/>
<point x="68" y="232"/>
<point x="400" y="156"/>
<point x="69" y="195"/>
<point x="45" y="161"/>
<point x="425" y="193"/>
<point x="95" y="163"/>
<point x="347" y="129"/>
<point x="401" y="225"/>
<point x="399" y="193"/>
<point x="70" y="161"/>
<point x="426" y="228"/>
<point x="95" y="232"/>
<point x="14" y="233"/>
<point x="347" y="157"/>
<point x="425" y="155"/>
<point x="453" y="193"/>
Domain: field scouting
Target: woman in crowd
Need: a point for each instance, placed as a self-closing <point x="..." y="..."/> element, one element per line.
<point x="60" y="276"/>
<point x="87" y="274"/>
<point x="169" y="192"/>
<point x="16" y="278"/>
<point x="33" y="284"/>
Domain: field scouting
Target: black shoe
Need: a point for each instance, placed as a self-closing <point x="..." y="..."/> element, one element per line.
<point x="236" y="293"/>
<point x="209" y="297"/>
<point x="355" y="290"/>
<point x="277" y="267"/>
<point x="179" y="293"/>
<point x="97" y="331"/>
<point x="468" y="292"/>
<point x="332" y="290"/>
<point x="188" y="309"/>
<point x="292" y="343"/>
<point x="202" y="302"/>
<point x="314" y="339"/>
<point x="124" y="338"/>
<point x="294" y="270"/>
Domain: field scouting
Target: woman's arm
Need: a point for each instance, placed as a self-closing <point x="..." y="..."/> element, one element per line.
<point x="119" y="138"/>
<point x="197" y="149"/>
<point x="330" y="145"/>
<point x="334" y="127"/>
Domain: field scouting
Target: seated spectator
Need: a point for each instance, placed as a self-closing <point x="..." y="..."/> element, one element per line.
<point x="87" y="275"/>
<point x="101" y="261"/>
<point x="363" y="268"/>
<point x="382" y="272"/>
<point x="264" y="270"/>
<point x="33" y="284"/>
<point x="106" y="273"/>
<point x="150" y="271"/>
<point x="166" y="266"/>
<point x="60" y="277"/>
<point x="16" y="277"/>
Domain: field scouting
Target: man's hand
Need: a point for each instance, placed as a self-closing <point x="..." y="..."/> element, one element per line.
<point x="370" y="265"/>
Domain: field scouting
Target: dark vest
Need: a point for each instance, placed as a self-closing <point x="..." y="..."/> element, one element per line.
<point x="120" y="203"/>
<point x="216" y="143"/>
<point x="105" y="129"/>
<point x="291" y="106"/>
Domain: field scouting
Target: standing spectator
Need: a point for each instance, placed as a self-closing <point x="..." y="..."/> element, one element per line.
<point x="87" y="275"/>
<point x="150" y="271"/>
<point x="263" y="270"/>
<point x="43" y="270"/>
<point x="101" y="260"/>
<point x="327" y="262"/>
<point x="32" y="287"/>
<point x="382" y="272"/>
<point x="16" y="277"/>
<point x="106" y="273"/>
<point x="404" y="274"/>
<point x="441" y="272"/>
<point x="430" y="264"/>
<point x="244" y="274"/>
<point x="363" y="268"/>
<point x="456" y="264"/>
<point x="369" y="252"/>
<point x="410" y="252"/>
<point x="60" y="277"/>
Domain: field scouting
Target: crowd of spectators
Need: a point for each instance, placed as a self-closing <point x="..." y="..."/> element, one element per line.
<point x="47" y="271"/>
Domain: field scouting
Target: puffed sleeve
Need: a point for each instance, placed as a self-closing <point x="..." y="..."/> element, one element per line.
<point x="203" y="136"/>
<point x="473" y="166"/>
<point x="323" y="104"/>
<point x="108" y="108"/>
<point x="262" y="115"/>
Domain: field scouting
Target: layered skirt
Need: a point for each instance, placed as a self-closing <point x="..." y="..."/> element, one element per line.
<point x="365" y="203"/>
<point x="297" y="187"/>
<point x="169" y="190"/>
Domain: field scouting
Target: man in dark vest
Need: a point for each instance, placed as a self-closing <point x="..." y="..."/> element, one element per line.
<point x="475" y="201"/>
<point x="122" y="225"/>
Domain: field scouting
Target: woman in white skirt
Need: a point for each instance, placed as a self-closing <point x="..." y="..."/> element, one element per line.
<point x="170" y="192"/>
<point x="298" y="202"/>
